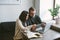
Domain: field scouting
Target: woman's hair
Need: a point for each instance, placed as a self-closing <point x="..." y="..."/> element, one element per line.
<point x="23" y="15"/>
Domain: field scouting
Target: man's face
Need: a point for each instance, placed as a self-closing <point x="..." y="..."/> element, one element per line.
<point x="32" y="13"/>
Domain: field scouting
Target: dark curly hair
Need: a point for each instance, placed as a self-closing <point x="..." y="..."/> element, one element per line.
<point x="23" y="15"/>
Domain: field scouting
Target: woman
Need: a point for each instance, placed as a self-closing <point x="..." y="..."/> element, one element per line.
<point x="21" y="27"/>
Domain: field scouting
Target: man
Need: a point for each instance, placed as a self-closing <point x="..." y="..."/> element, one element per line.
<point x="34" y="19"/>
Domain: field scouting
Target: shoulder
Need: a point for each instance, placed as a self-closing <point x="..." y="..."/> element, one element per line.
<point x="18" y="21"/>
<point x="37" y="16"/>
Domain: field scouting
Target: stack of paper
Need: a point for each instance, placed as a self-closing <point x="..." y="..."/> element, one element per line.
<point x="33" y="34"/>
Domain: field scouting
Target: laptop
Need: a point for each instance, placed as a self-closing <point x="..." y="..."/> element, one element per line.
<point x="47" y="27"/>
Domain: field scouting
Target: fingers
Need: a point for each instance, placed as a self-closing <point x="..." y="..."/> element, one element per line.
<point x="33" y="27"/>
<point x="43" y="24"/>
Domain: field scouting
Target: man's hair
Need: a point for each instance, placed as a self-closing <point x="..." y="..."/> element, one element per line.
<point x="31" y="9"/>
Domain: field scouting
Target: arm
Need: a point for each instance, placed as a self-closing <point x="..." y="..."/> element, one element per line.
<point x="19" y="23"/>
<point x="22" y="27"/>
<point x="42" y="24"/>
<point x="38" y="19"/>
<point x="19" y="27"/>
<point x="29" y="27"/>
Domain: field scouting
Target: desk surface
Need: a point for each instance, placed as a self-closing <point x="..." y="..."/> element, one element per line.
<point x="56" y="25"/>
<point x="49" y="35"/>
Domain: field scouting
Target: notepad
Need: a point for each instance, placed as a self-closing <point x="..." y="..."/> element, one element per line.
<point x="34" y="34"/>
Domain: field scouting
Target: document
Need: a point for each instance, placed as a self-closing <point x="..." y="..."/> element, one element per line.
<point x="33" y="34"/>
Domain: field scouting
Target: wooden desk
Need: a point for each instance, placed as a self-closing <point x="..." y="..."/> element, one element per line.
<point x="49" y="35"/>
<point x="55" y="27"/>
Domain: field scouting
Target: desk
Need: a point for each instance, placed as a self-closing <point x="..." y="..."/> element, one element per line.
<point x="49" y="35"/>
<point x="55" y="27"/>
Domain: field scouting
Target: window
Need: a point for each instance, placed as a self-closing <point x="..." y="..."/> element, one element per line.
<point x="57" y="2"/>
<point x="44" y="6"/>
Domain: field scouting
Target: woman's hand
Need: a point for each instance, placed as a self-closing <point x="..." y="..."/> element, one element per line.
<point x="33" y="27"/>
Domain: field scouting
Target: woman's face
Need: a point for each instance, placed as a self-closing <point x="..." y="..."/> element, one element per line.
<point x="27" y="16"/>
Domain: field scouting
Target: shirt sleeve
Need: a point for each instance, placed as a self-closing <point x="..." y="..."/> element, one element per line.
<point x="29" y="27"/>
<point x="22" y="27"/>
<point x="38" y="19"/>
<point x="20" y="24"/>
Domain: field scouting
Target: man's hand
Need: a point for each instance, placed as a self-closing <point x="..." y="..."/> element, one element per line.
<point x="43" y="24"/>
<point x="33" y="27"/>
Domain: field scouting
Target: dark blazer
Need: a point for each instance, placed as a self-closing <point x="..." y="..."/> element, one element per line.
<point x="34" y="20"/>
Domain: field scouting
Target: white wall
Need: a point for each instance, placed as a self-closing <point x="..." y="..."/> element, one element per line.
<point x="11" y="12"/>
<point x="42" y="7"/>
<point x="26" y="4"/>
<point x="37" y="6"/>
